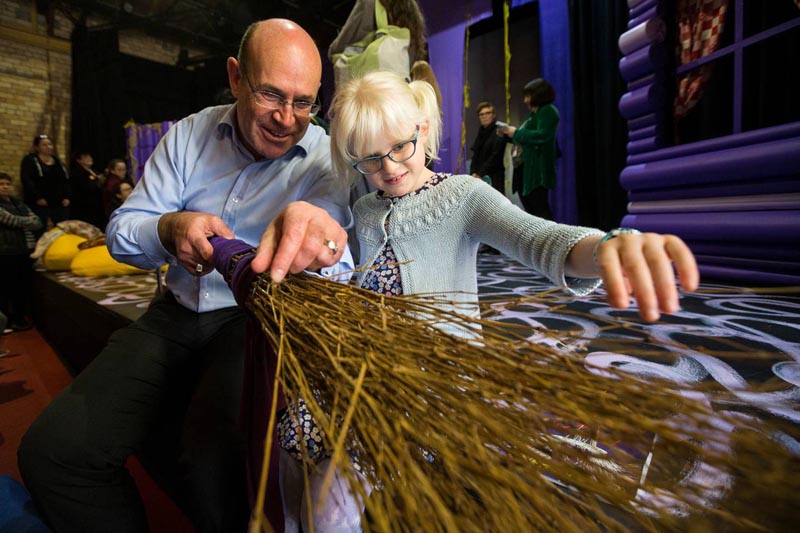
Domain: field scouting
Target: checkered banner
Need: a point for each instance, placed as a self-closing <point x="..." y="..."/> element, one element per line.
<point x="700" y="24"/>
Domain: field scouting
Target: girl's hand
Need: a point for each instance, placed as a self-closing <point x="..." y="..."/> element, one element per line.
<point x="641" y="266"/>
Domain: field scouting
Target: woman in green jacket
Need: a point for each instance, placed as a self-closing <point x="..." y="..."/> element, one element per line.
<point x="537" y="137"/>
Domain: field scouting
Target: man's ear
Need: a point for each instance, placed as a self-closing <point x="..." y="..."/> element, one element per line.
<point x="234" y="75"/>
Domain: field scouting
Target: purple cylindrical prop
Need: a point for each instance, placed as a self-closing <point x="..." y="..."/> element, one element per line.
<point x="644" y="145"/>
<point x="754" y="202"/>
<point x="774" y="133"/>
<point x="783" y="184"/>
<point x="641" y="122"/>
<point x="749" y="277"/>
<point x="641" y="62"/>
<point x="640" y="102"/>
<point x="644" y="17"/>
<point x="776" y="158"/>
<point x="650" y="31"/>
<point x="775" y="227"/>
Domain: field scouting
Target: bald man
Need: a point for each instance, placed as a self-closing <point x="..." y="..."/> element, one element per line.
<point x="256" y="170"/>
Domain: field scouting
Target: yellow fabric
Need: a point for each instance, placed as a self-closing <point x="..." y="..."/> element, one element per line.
<point x="97" y="262"/>
<point x="59" y="254"/>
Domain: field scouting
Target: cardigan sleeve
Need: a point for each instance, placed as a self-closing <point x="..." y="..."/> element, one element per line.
<point x="535" y="242"/>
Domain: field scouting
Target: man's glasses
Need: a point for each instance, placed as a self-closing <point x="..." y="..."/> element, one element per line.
<point x="400" y="152"/>
<point x="270" y="100"/>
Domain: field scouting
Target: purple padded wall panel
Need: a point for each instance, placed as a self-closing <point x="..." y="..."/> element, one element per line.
<point x="727" y="249"/>
<point x="747" y="276"/>
<point x="774" y="227"/>
<point x="650" y="31"/>
<point x="783" y="184"/>
<point x="641" y="62"/>
<point x="784" y="131"/>
<point x="641" y="122"/>
<point x="775" y="158"/>
<point x="753" y="202"/>
<point x="641" y="133"/>
<point x="644" y="17"/>
<point x="641" y="82"/>
<point x="643" y="145"/>
<point x="747" y="263"/>
<point x="640" y="102"/>
<point x="641" y="7"/>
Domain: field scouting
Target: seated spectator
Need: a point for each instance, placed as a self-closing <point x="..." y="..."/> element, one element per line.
<point x="86" y="187"/>
<point x="17" y="226"/>
<point x="116" y="172"/>
<point x="122" y="190"/>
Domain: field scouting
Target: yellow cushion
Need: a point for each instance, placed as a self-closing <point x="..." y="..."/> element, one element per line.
<point x="60" y="253"/>
<point x="97" y="261"/>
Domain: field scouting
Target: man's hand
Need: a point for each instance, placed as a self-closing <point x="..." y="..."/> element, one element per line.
<point x="297" y="240"/>
<point x="185" y="235"/>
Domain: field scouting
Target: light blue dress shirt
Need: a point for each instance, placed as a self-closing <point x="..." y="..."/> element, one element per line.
<point x="201" y="165"/>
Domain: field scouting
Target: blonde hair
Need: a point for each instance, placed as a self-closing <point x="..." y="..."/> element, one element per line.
<point x="421" y="70"/>
<point x="379" y="105"/>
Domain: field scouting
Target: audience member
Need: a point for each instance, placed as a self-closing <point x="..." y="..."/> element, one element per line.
<point x="537" y="137"/>
<point x="45" y="182"/>
<point x="86" y="188"/>
<point x="17" y="226"/>
<point x="488" y="149"/>
<point x="254" y="170"/>
<point x="116" y="172"/>
<point x="122" y="190"/>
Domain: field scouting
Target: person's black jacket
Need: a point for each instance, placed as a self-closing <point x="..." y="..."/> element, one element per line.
<point x="487" y="153"/>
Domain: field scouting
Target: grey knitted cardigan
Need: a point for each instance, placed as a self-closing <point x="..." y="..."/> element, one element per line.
<point x="436" y="234"/>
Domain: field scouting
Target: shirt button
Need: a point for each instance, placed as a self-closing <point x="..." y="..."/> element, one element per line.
<point x="235" y="200"/>
<point x="205" y="295"/>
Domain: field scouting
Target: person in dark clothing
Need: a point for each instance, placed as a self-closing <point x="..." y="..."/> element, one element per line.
<point x="116" y="173"/>
<point x="17" y="224"/>
<point x="45" y="182"/>
<point x="86" y="188"/>
<point x="488" y="149"/>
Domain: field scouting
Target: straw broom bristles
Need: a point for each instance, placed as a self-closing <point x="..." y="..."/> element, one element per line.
<point x="524" y="437"/>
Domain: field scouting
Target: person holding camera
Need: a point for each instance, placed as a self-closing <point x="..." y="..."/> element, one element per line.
<point x="537" y="137"/>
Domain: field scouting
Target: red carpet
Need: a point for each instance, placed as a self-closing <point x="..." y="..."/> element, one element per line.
<point x="31" y="374"/>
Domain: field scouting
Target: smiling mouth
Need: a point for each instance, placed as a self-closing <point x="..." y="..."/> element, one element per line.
<point x="395" y="180"/>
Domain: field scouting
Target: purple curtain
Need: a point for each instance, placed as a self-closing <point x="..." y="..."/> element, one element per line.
<point x="141" y="140"/>
<point x="557" y="69"/>
<point x="446" y="49"/>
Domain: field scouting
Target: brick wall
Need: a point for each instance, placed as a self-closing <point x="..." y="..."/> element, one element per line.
<point x="36" y="78"/>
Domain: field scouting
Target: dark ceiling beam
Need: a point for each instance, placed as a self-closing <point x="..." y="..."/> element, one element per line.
<point x="167" y="27"/>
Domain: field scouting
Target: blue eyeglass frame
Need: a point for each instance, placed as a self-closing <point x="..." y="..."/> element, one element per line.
<point x="388" y="154"/>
